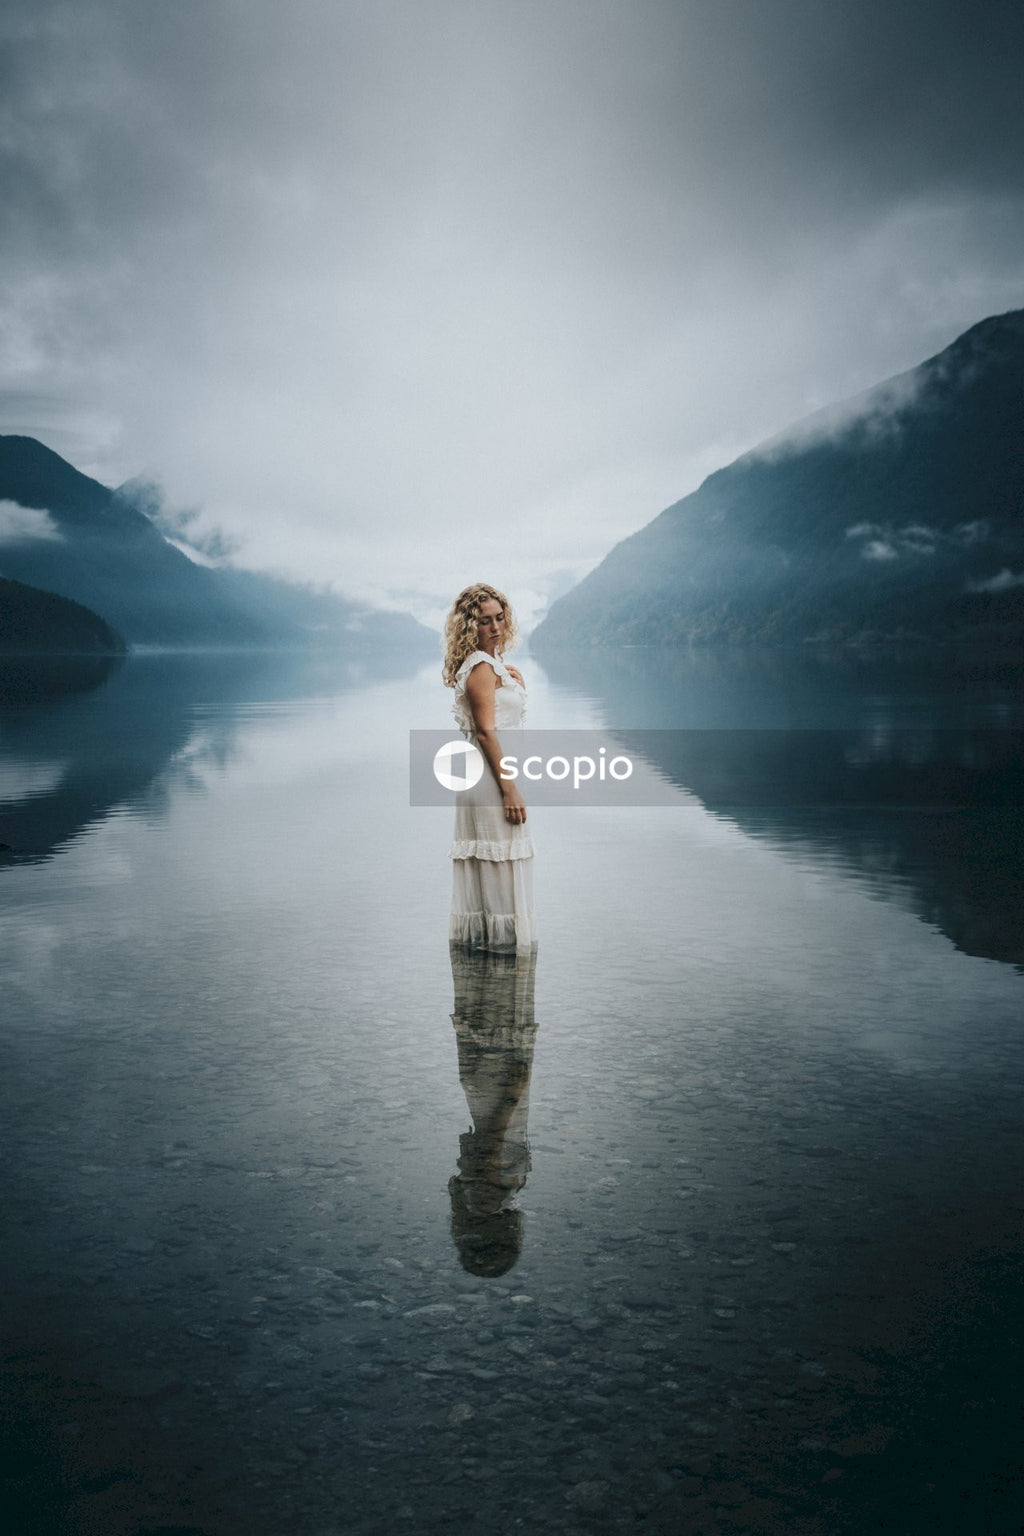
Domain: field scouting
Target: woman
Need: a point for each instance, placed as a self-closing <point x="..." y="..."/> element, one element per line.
<point x="492" y="854"/>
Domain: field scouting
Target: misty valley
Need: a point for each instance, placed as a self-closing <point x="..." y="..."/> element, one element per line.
<point x="512" y="768"/>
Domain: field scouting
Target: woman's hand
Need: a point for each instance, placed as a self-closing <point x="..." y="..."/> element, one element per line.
<point x="516" y="674"/>
<point x="512" y="804"/>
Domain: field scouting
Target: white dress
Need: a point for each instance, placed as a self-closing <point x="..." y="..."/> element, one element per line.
<point x="492" y="858"/>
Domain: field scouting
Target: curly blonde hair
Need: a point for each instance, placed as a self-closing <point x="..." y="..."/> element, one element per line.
<point x="460" y="631"/>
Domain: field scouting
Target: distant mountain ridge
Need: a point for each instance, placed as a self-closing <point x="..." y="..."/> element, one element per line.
<point x="67" y="534"/>
<point x="899" y="516"/>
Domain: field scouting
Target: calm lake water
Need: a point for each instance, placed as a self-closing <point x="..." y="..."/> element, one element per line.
<point x="708" y="1220"/>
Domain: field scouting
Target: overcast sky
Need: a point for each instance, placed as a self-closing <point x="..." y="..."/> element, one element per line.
<point x="403" y="294"/>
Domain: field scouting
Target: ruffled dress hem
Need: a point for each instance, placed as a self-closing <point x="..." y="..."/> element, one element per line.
<point x="479" y="848"/>
<point x="496" y="932"/>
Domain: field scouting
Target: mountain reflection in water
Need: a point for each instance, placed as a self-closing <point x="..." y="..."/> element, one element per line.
<point x="106" y="730"/>
<point x="901" y="769"/>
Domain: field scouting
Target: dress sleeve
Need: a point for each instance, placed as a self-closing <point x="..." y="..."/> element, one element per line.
<point x="460" y="709"/>
<point x="472" y="661"/>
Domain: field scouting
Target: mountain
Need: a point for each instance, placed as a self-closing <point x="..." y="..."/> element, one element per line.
<point x="34" y="622"/>
<point x="66" y="533"/>
<point x="896" y="516"/>
<point x="88" y="544"/>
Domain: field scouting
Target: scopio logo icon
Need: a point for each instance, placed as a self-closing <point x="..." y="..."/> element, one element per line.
<point x="458" y="765"/>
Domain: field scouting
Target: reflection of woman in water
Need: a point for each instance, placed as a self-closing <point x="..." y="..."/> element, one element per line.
<point x="494" y="1030"/>
<point x="492" y="852"/>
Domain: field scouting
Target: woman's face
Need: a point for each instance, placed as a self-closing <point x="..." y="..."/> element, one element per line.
<point x="490" y="625"/>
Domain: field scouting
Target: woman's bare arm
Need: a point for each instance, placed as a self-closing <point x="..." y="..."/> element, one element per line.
<point x="481" y="685"/>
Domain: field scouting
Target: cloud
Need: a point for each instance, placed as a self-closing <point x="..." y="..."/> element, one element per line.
<point x="883" y="541"/>
<point x="18" y="524"/>
<point x="180" y="525"/>
<point x="1003" y="581"/>
<point x="398" y="293"/>
<point x="874" y="416"/>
